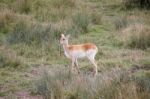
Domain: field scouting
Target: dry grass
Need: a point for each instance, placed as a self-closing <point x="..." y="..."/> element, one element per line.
<point x="137" y="3"/>
<point x="136" y="36"/>
<point x="114" y="84"/>
<point x="81" y="21"/>
<point x="54" y="10"/>
<point x="96" y="17"/>
<point x="120" y="22"/>
<point x="7" y="17"/>
<point x="8" y="58"/>
<point x="31" y="30"/>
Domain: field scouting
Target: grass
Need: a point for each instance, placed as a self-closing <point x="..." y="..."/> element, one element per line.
<point x="6" y="19"/>
<point x="12" y="81"/>
<point x="9" y="59"/>
<point x="96" y="17"/>
<point x="29" y="42"/>
<point x="35" y="33"/>
<point x="120" y="23"/>
<point x="81" y="21"/>
<point x="137" y="3"/>
<point x="48" y="87"/>
<point x="106" y="85"/>
<point x="137" y="36"/>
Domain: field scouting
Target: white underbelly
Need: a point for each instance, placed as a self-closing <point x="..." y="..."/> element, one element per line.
<point x="78" y="54"/>
<point x="81" y="54"/>
<point x="67" y="55"/>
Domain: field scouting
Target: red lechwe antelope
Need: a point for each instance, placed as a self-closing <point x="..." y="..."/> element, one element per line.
<point x="74" y="52"/>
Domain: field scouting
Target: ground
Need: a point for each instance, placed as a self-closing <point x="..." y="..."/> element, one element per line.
<point x="22" y="63"/>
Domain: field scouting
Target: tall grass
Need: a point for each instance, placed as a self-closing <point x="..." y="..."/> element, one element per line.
<point x="120" y="22"/>
<point x="32" y="33"/>
<point x="115" y="84"/>
<point x="82" y="21"/>
<point x="53" y="10"/>
<point x="63" y="3"/>
<point x="7" y="59"/>
<point x="136" y="36"/>
<point x="96" y="17"/>
<point x="49" y="88"/>
<point x="137" y="3"/>
<point x="21" y="6"/>
<point x="7" y="18"/>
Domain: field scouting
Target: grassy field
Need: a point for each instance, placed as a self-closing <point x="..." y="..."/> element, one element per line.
<point x="32" y="62"/>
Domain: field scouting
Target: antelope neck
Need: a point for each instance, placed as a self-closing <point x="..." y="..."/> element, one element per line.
<point x="65" y="47"/>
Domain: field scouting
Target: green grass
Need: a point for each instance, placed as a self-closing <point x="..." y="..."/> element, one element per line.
<point x="112" y="84"/>
<point x="136" y="36"/>
<point x="29" y="42"/>
<point x="12" y="81"/>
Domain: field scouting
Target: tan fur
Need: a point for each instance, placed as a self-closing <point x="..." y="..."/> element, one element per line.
<point x="84" y="47"/>
<point x="74" y="52"/>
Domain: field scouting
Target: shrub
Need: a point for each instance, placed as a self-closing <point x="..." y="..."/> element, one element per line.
<point x="136" y="36"/>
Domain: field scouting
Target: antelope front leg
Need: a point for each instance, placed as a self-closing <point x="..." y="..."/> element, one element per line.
<point x="92" y="60"/>
<point x="95" y="65"/>
<point x="72" y="65"/>
<point x="77" y="66"/>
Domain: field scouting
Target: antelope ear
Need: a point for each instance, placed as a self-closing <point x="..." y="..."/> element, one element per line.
<point x="68" y="36"/>
<point x="62" y="35"/>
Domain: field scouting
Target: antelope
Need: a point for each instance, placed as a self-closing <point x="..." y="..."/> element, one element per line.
<point x="74" y="52"/>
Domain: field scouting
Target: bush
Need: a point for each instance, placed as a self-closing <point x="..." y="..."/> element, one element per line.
<point x="136" y="36"/>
